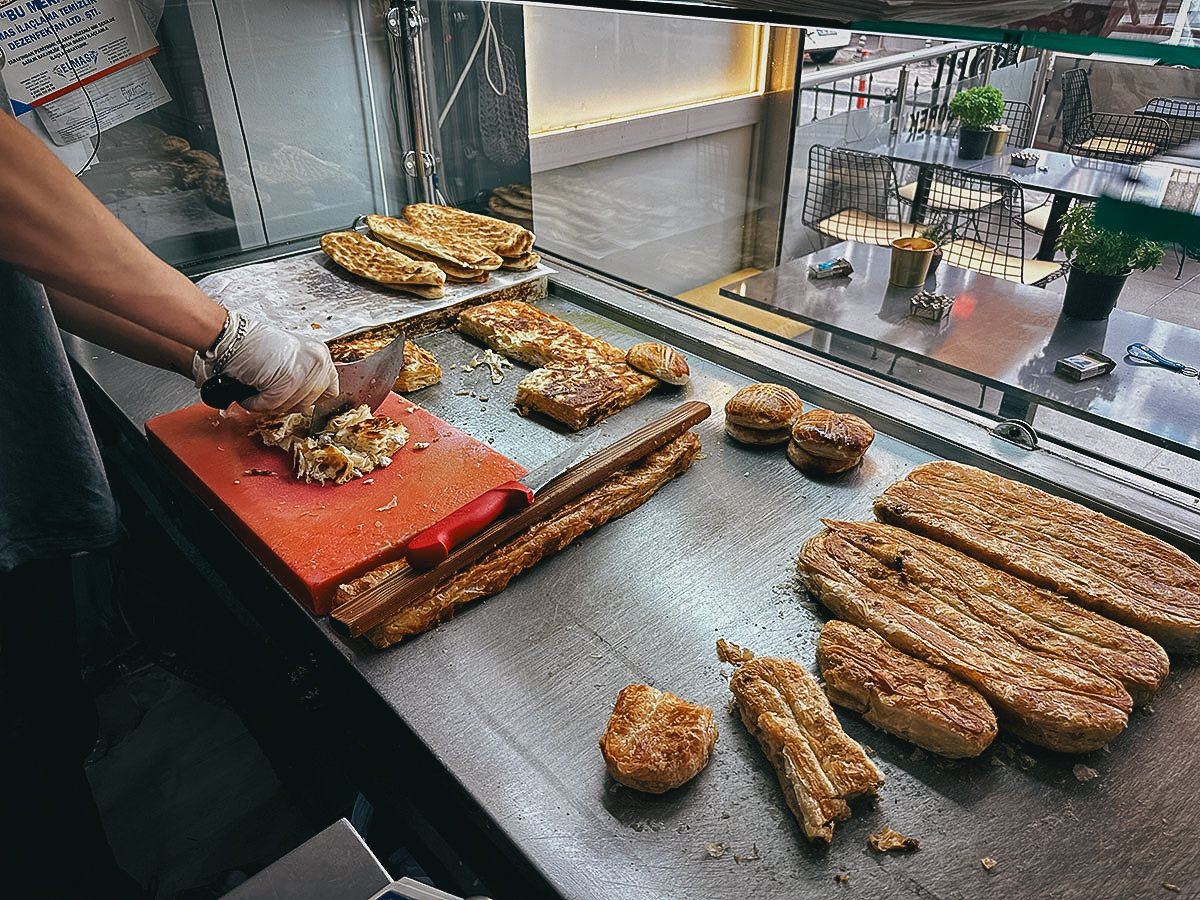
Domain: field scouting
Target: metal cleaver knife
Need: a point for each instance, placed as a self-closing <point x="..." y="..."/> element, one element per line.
<point x="435" y="543"/>
<point x="366" y="381"/>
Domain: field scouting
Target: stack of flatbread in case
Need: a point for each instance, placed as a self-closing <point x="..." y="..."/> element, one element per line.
<point x="460" y="258"/>
<point x="375" y="261"/>
<point x="508" y="240"/>
<point x="1055" y="614"/>
<point x="432" y="244"/>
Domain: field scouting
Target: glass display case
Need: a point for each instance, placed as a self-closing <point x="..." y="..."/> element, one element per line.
<point x="666" y="156"/>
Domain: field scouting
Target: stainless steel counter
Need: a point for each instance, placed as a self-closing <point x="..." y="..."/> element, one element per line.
<point x="509" y="698"/>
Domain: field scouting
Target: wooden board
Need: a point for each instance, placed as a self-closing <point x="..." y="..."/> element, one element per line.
<point x="313" y="537"/>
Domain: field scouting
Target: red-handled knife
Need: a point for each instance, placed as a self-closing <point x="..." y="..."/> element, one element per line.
<point x="434" y="544"/>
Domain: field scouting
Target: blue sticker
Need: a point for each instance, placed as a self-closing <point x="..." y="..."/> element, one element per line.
<point x="19" y="108"/>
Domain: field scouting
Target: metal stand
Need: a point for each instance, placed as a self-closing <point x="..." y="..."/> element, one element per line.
<point x="406" y="21"/>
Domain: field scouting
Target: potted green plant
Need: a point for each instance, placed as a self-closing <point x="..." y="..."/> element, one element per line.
<point x="1100" y="261"/>
<point x="940" y="233"/>
<point x="976" y="109"/>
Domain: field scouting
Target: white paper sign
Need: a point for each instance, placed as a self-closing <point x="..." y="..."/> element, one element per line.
<point x="115" y="98"/>
<point x="99" y="37"/>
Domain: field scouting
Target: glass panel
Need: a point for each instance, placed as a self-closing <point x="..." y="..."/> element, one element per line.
<point x="269" y="127"/>
<point x="679" y="178"/>
<point x="634" y="64"/>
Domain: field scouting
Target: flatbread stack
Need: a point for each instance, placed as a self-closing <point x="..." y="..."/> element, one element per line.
<point x="460" y="258"/>
<point x="1055" y="614"/>
<point x="380" y="263"/>
<point x="507" y="239"/>
<point x="512" y="201"/>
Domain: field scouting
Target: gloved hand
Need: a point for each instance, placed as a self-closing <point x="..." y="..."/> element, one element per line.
<point x="289" y="372"/>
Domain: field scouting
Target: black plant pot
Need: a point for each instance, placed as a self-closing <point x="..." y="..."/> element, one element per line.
<point x="1091" y="296"/>
<point x="935" y="261"/>
<point x="972" y="144"/>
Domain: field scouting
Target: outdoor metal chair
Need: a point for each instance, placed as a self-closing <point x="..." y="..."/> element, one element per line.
<point x="988" y="237"/>
<point x="852" y="196"/>
<point x="1119" y="137"/>
<point x="1182" y="115"/>
<point x="1019" y="119"/>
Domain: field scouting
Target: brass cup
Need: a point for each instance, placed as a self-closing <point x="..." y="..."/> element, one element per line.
<point x="997" y="139"/>
<point x="910" y="261"/>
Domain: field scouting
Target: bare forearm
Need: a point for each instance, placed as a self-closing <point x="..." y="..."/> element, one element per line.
<point x="54" y="230"/>
<point x="127" y="338"/>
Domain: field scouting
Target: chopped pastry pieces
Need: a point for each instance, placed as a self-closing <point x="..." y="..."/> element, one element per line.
<point x="902" y="694"/>
<point x="655" y="741"/>
<point x="1099" y="562"/>
<point x="582" y="379"/>
<point x="658" y="361"/>
<point x="285" y="430"/>
<point x="825" y="443"/>
<point x="819" y="766"/>
<point x="889" y="839"/>
<point x="1055" y="673"/>
<point x="762" y="413"/>
<point x="350" y="446"/>
<point x="420" y="370"/>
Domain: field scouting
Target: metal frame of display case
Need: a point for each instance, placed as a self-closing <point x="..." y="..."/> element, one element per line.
<point x="453" y="729"/>
<point x="480" y="732"/>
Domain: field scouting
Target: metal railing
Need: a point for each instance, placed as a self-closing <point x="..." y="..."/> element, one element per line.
<point x="919" y="83"/>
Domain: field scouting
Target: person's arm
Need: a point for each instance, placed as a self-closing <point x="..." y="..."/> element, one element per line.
<point x="54" y="230"/>
<point x="127" y="338"/>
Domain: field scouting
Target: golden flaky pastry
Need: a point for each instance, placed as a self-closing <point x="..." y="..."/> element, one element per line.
<point x="522" y="263"/>
<point x="655" y="741"/>
<point x="818" y="765"/>
<point x="1096" y="561"/>
<point x="421" y="367"/>
<point x="351" y="445"/>
<point x="659" y="361"/>
<point x="1055" y="673"/>
<point x="377" y="262"/>
<point x="762" y="413"/>
<point x="505" y="238"/>
<point x="826" y="442"/>
<point x="420" y="370"/>
<point x="902" y="694"/>
<point x="458" y="251"/>
<point x="582" y="378"/>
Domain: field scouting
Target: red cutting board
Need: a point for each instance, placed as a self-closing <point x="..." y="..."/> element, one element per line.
<point x="313" y="537"/>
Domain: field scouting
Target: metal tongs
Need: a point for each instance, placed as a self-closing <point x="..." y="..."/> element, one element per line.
<point x="1138" y="354"/>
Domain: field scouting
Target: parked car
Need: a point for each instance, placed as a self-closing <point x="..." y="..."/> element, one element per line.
<point x="822" y="44"/>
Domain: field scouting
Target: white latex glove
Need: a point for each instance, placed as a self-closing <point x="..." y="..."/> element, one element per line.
<point x="289" y="372"/>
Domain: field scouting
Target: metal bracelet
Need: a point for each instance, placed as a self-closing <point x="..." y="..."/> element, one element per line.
<point x="223" y="359"/>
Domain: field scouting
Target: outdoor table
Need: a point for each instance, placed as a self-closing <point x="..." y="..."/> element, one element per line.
<point x="1062" y="175"/>
<point x="999" y="334"/>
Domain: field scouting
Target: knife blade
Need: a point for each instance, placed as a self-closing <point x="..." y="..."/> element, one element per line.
<point x="366" y="381"/>
<point x="434" y="544"/>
